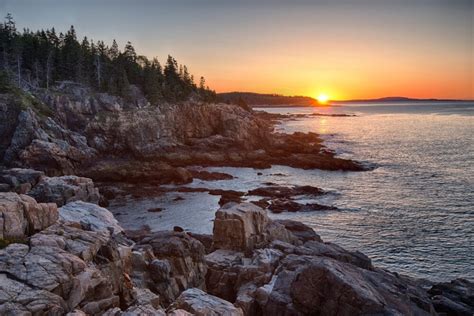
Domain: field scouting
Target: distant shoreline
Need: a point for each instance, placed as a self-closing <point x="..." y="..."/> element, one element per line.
<point x="277" y="101"/>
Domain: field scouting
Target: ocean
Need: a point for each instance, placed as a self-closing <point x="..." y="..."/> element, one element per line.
<point x="412" y="214"/>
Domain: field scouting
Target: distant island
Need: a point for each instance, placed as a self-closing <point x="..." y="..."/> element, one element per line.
<point x="276" y="100"/>
<point x="396" y="99"/>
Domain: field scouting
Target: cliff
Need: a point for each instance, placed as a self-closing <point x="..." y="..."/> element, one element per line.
<point x="73" y="130"/>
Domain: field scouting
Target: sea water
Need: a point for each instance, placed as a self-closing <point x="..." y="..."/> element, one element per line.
<point x="413" y="214"/>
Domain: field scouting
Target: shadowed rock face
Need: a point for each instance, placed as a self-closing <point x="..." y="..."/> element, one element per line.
<point x="324" y="286"/>
<point x="62" y="190"/>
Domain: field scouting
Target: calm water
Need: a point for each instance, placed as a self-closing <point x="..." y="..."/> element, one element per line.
<point x="413" y="214"/>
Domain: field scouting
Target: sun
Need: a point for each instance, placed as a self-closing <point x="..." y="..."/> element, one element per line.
<point x="322" y="98"/>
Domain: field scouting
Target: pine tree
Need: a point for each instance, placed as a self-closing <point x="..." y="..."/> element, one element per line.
<point x="44" y="57"/>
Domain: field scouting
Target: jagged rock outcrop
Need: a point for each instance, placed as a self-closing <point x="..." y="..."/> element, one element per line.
<point x="314" y="284"/>
<point x="20" y="180"/>
<point x="82" y="264"/>
<point x="168" y="263"/>
<point x="307" y="276"/>
<point x="70" y="128"/>
<point x="200" y="303"/>
<point x="65" y="189"/>
<point x="90" y="216"/>
<point x="41" y="143"/>
<point x="21" y="216"/>
<point x="64" y="268"/>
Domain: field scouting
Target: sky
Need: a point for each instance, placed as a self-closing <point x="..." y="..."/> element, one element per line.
<point x="347" y="49"/>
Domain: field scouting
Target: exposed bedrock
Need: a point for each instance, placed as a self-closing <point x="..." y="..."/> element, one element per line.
<point x="83" y="264"/>
<point x="72" y="130"/>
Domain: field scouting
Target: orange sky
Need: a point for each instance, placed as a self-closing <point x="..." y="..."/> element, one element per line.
<point x="346" y="49"/>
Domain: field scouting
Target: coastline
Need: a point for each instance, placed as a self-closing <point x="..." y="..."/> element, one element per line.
<point x="249" y="266"/>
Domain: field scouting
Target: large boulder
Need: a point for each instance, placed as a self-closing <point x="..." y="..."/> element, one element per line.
<point x="200" y="303"/>
<point x="65" y="189"/>
<point x="21" y="215"/>
<point x="89" y="216"/>
<point x="240" y="227"/>
<point x="324" y="286"/>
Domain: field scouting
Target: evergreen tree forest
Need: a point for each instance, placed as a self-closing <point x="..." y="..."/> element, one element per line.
<point x="42" y="58"/>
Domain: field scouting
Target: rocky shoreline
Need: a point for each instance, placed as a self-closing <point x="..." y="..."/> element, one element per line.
<point x="68" y="151"/>
<point x="73" y="130"/>
<point x="77" y="260"/>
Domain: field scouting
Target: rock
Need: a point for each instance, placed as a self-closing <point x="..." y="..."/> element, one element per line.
<point x="129" y="171"/>
<point x="90" y="216"/>
<point x="305" y="285"/>
<point x="262" y="203"/>
<point x="300" y="230"/>
<point x="179" y="312"/>
<point x="277" y="231"/>
<point x="205" y="239"/>
<point x="178" y="229"/>
<point x="4" y="187"/>
<point x="288" y="205"/>
<point x="453" y="298"/>
<point x="168" y="263"/>
<point x="155" y="209"/>
<point x="199" y="303"/>
<point x="315" y="248"/>
<point x="60" y="272"/>
<point x="210" y="176"/>
<point x="239" y="227"/>
<point x="22" y="216"/>
<point x="18" y="298"/>
<point x="147" y="297"/>
<point x="141" y="310"/>
<point x="227" y="196"/>
<point x="230" y="271"/>
<point x="286" y="192"/>
<point x="65" y="189"/>
<point x="222" y="274"/>
<point x="20" y="180"/>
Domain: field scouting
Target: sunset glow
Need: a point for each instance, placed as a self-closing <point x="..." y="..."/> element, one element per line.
<point x="379" y="48"/>
<point x="322" y="98"/>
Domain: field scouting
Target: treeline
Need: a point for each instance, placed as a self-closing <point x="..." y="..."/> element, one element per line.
<point x="258" y="99"/>
<point x="41" y="58"/>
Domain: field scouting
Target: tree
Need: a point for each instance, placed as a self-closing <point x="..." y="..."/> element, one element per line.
<point x="40" y="58"/>
<point x="114" y="51"/>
